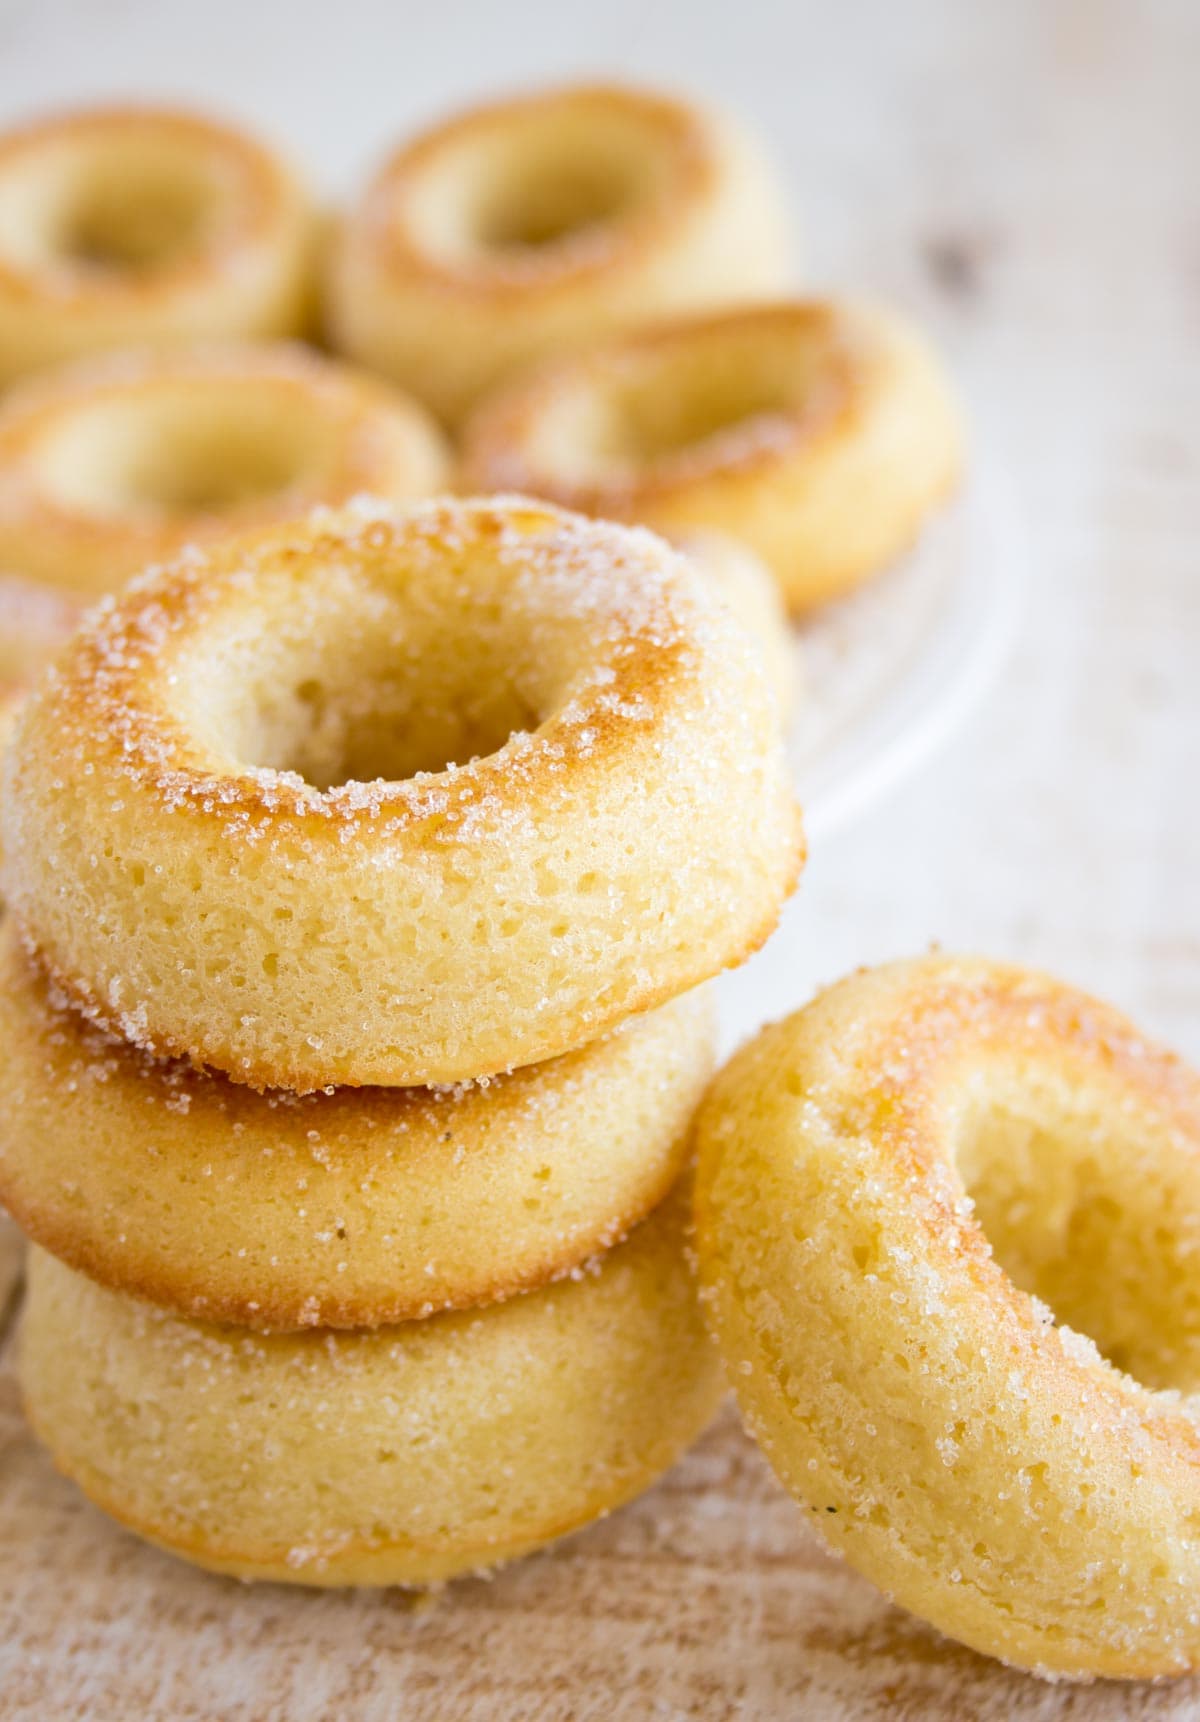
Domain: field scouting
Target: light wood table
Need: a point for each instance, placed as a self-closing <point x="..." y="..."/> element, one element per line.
<point x="1022" y="175"/>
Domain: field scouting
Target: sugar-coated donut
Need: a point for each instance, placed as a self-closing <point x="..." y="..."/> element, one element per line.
<point x="117" y="462"/>
<point x="524" y="227"/>
<point x="401" y="1456"/>
<point x="343" y="1209"/>
<point x="619" y="826"/>
<point x="145" y="225"/>
<point x="746" y="584"/>
<point x="820" y="433"/>
<point x="890" y="1183"/>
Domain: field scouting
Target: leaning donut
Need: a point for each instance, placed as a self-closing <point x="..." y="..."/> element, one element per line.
<point x="149" y="226"/>
<point x="399" y="797"/>
<point x="523" y="227"/>
<point x="401" y="1456"/>
<point x="890" y="1184"/>
<point x="350" y="1208"/>
<point x="822" y="434"/>
<point x="115" y="463"/>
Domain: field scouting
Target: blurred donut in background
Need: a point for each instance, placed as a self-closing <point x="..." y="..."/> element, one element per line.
<point x="523" y="227"/>
<point x="148" y="225"/>
<point x="818" y="432"/>
<point x="118" y="462"/>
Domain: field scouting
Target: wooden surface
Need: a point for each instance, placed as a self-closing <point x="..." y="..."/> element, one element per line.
<point x="1022" y="175"/>
<point x="706" y="1598"/>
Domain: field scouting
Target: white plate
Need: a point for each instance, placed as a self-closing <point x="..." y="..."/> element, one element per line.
<point x="890" y="673"/>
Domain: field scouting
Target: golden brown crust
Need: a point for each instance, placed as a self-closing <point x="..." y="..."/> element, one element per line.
<point x="546" y="888"/>
<point x="347" y="435"/>
<point x="347" y="1209"/>
<point x="783" y="418"/>
<point x="889" y="1185"/>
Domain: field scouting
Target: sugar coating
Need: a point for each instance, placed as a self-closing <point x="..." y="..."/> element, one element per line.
<point x="343" y="1208"/>
<point x="768" y="422"/>
<point x="402" y="1456"/>
<point x="948" y="1216"/>
<point x="399" y="797"/>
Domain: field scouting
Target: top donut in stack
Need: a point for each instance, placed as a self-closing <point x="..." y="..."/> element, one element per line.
<point x="399" y="799"/>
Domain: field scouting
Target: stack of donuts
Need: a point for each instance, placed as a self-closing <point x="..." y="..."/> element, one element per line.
<point x="352" y="1034"/>
<point x="365" y="862"/>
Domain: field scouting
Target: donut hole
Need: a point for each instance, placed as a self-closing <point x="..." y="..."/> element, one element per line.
<point x="1096" y="1211"/>
<point x="342" y="683"/>
<point x="538" y="185"/>
<point x="364" y="722"/>
<point x="183" y="453"/>
<point x="109" y="205"/>
<point x="145" y="225"/>
<point x="662" y="412"/>
<point x="552" y="201"/>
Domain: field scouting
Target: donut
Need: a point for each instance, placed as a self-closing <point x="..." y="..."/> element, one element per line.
<point x="523" y="227"/>
<point x="351" y="1208"/>
<point x="752" y="594"/>
<point x="145" y="225"/>
<point x="399" y="796"/>
<point x="948" y="1222"/>
<point x="820" y="433"/>
<point x="406" y="1455"/>
<point x="117" y="462"/>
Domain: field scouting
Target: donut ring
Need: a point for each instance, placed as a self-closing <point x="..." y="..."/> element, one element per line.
<point x="750" y="591"/>
<point x="989" y="1468"/>
<point x="821" y="434"/>
<point x="171" y="856"/>
<point x="523" y="227"/>
<point x="350" y="1208"/>
<point x="403" y="1456"/>
<point x="118" y="462"/>
<point x="144" y="225"/>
